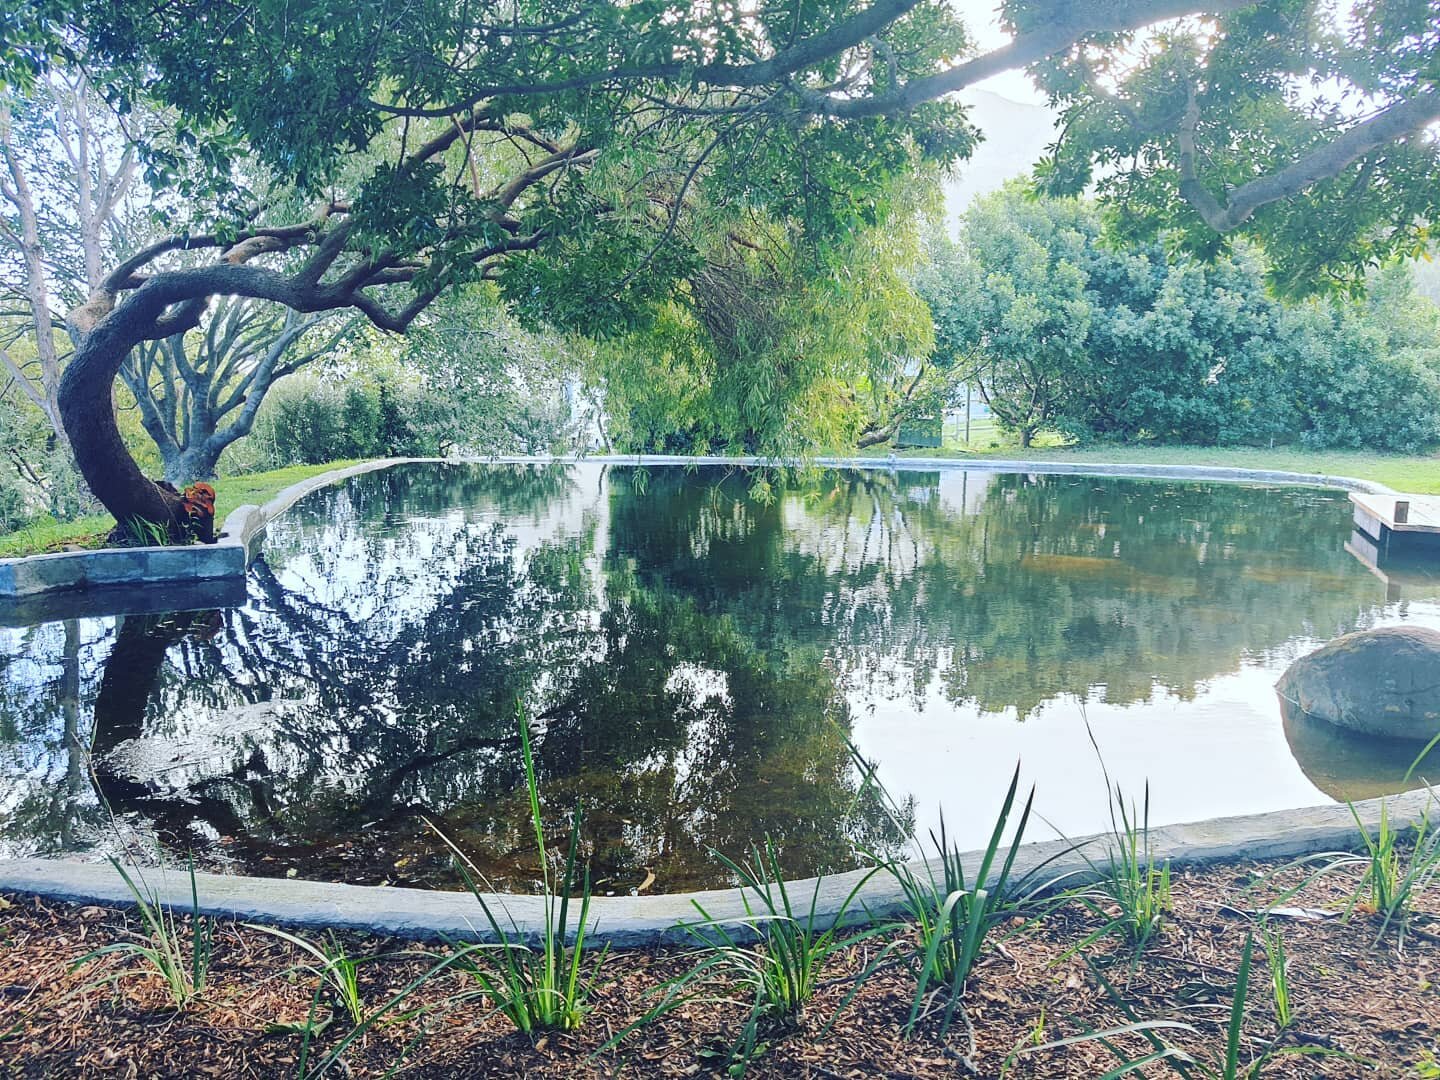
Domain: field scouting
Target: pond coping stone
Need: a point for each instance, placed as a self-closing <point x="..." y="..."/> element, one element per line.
<point x="641" y="921"/>
<point x="77" y="571"/>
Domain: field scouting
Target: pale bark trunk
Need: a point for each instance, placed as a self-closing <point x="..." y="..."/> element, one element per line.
<point x="41" y="391"/>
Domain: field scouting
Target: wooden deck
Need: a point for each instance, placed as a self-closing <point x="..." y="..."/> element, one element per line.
<point x="1404" y="515"/>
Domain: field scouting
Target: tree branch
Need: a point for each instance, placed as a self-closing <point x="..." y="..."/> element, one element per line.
<point x="1329" y="159"/>
<point x="1072" y="21"/>
<point x="843" y="35"/>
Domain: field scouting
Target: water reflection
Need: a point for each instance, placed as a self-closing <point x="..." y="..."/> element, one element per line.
<point x="1348" y="766"/>
<point x="693" y="662"/>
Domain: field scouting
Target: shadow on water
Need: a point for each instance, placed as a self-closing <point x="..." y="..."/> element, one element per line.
<point x="693" y="662"/>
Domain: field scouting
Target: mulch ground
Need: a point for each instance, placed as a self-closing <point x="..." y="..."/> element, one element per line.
<point x="1376" y="1002"/>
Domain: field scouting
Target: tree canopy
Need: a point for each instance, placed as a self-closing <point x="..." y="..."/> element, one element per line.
<point x="1210" y="128"/>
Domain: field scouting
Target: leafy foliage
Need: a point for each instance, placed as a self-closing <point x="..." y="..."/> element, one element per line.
<point x="312" y="419"/>
<point x="775" y="347"/>
<point x="1189" y="130"/>
<point x="489" y="384"/>
<point x="1070" y="330"/>
<point x="1033" y="316"/>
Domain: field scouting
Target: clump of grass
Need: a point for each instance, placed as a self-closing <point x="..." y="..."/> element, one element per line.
<point x="539" y="986"/>
<point x="1129" y="891"/>
<point x="782" y="969"/>
<point x="146" y="533"/>
<point x="184" y="968"/>
<point x="773" y="956"/>
<point x="1394" y="879"/>
<point x="542" y="987"/>
<point x="955" y="916"/>
<point x="1128" y="879"/>
<point x="1393" y="874"/>
<point x="396" y="1007"/>
<point x="333" y="965"/>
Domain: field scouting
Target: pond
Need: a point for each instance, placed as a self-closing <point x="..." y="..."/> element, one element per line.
<point x="696" y="665"/>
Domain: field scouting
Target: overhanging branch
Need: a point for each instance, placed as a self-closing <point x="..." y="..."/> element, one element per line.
<point x="1329" y="159"/>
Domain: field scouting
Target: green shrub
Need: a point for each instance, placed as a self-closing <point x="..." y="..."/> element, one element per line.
<point x="308" y="420"/>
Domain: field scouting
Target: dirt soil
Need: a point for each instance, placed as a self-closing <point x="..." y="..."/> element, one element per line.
<point x="1375" y="1002"/>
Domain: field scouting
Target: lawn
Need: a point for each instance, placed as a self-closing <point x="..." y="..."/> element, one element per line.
<point x="47" y="534"/>
<point x="1418" y="474"/>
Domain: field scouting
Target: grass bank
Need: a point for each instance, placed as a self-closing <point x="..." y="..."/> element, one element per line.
<point x="47" y="534"/>
<point x="1418" y="474"/>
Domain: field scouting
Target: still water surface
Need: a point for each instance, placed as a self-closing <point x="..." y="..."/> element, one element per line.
<point x="695" y="665"/>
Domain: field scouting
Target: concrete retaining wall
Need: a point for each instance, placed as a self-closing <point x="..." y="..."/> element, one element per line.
<point x="72" y="571"/>
<point x="67" y="570"/>
<point x="651" y="920"/>
<point x="190" y="565"/>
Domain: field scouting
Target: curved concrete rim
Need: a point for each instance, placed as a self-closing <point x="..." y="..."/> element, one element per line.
<point x="854" y="897"/>
<point x="245" y="524"/>
<point x="650" y="920"/>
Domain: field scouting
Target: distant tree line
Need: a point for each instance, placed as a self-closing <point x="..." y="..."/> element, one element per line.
<point x="1062" y="327"/>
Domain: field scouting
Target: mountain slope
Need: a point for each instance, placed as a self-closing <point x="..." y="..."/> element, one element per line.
<point x="1016" y="136"/>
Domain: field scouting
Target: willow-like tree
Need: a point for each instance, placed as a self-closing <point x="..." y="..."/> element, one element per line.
<point x="560" y="146"/>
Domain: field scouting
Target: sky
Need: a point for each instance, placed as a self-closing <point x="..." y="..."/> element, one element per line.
<point x="982" y="17"/>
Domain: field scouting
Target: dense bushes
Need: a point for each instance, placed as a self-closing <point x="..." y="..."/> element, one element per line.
<point x="1142" y="345"/>
<point x="1180" y="352"/>
<point x="1366" y="375"/>
<point x="309" y="420"/>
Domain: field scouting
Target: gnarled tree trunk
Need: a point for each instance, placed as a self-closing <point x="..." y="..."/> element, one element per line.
<point x="199" y="393"/>
<point x="87" y="410"/>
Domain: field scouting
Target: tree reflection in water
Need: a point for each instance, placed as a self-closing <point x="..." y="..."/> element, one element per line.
<point x="689" y="658"/>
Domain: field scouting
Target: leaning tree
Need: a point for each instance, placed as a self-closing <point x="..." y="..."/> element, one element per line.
<point x="562" y="147"/>
<point x="72" y="202"/>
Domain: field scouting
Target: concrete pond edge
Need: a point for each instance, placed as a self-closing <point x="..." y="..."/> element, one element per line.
<point x="624" y="920"/>
<point x="853" y="897"/>
<point x="192" y="565"/>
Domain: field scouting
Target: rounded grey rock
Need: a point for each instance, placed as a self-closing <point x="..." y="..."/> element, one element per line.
<point x="1383" y="682"/>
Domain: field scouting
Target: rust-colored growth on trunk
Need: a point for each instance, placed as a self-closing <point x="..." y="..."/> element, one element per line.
<point x="198" y="508"/>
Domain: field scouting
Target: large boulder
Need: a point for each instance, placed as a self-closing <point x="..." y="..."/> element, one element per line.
<point x="1377" y="682"/>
